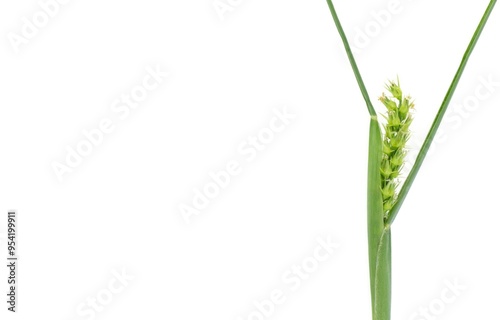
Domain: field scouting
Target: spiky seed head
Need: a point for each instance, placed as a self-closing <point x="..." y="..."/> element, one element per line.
<point x="396" y="134"/>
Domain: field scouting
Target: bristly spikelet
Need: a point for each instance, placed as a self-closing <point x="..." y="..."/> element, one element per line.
<point x="396" y="134"/>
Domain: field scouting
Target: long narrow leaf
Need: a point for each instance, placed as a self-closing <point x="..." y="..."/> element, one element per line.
<point x="354" y="65"/>
<point x="440" y="114"/>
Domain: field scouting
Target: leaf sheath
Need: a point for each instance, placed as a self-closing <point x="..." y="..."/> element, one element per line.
<point x="379" y="236"/>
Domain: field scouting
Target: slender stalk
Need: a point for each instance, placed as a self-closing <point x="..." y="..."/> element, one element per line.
<point x="437" y="121"/>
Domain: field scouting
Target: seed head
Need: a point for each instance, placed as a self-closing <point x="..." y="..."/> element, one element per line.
<point x="396" y="134"/>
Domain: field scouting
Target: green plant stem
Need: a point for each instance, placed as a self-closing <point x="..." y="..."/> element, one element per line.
<point x="437" y="121"/>
<point x="354" y="66"/>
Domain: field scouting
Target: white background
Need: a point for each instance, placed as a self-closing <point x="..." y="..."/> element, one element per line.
<point x="119" y="210"/>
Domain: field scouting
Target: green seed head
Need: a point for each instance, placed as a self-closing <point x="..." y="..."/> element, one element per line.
<point x="397" y="132"/>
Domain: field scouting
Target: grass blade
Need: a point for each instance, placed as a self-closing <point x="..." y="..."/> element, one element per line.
<point x="354" y="65"/>
<point x="440" y="114"/>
